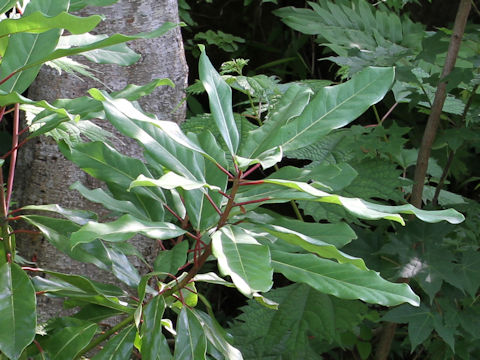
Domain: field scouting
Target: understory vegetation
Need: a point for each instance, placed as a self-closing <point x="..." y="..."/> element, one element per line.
<point x="319" y="202"/>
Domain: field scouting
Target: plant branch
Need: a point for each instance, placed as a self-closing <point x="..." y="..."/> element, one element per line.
<point x="13" y="156"/>
<point x="436" y="110"/>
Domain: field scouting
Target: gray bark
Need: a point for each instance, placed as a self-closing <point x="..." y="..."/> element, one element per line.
<point x="44" y="175"/>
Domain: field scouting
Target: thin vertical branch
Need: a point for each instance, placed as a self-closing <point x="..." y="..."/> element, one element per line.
<point x="440" y="96"/>
<point x="13" y="155"/>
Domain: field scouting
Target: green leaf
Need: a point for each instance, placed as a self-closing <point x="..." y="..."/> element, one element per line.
<point x="342" y="280"/>
<point x="120" y="347"/>
<point x="68" y="342"/>
<point x="17" y="310"/>
<point x="170" y="181"/>
<point x="80" y="217"/>
<point x="316" y="246"/>
<point x="241" y="257"/>
<point x="169" y="261"/>
<point x="34" y="63"/>
<point x="420" y="322"/>
<point x="37" y="23"/>
<point x="7" y="6"/>
<point x="216" y="336"/>
<point x="123" y="229"/>
<point x="290" y="105"/>
<point x="76" y="5"/>
<point x="220" y="98"/>
<point x="190" y="343"/>
<point x="154" y="344"/>
<point x="24" y="50"/>
<point x="333" y="107"/>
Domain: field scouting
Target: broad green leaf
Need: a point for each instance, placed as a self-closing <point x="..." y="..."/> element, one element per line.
<point x="120" y="347"/>
<point x="36" y="23"/>
<point x="316" y="246"/>
<point x="290" y="105"/>
<point x="76" y="5"/>
<point x="95" y="313"/>
<point x="170" y="181"/>
<point x="169" y="261"/>
<point x="154" y="344"/>
<point x="123" y="229"/>
<point x="109" y="202"/>
<point x="24" y="50"/>
<point x="117" y="170"/>
<point x="34" y="63"/>
<point x="68" y="342"/>
<point x="80" y="217"/>
<point x="7" y="6"/>
<point x="338" y="234"/>
<point x="212" y="278"/>
<point x="17" y="310"/>
<point x="267" y="159"/>
<point x="190" y="343"/>
<point x="220" y="98"/>
<point x="241" y="257"/>
<point x="119" y="54"/>
<point x="216" y="336"/>
<point x="342" y="280"/>
<point x="420" y="322"/>
<point x="333" y="107"/>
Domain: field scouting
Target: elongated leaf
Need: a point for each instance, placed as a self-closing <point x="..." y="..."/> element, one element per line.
<point x="342" y="280"/>
<point x="80" y="217"/>
<point x="17" y="310"/>
<point x="169" y="261"/>
<point x="170" y="181"/>
<point x="154" y="344"/>
<point x="241" y="257"/>
<point x="316" y="246"/>
<point x="216" y="336"/>
<point x="367" y="210"/>
<point x="24" y="49"/>
<point x="290" y="105"/>
<point x="220" y="97"/>
<point x="34" y="63"/>
<point x="190" y="343"/>
<point x="333" y="107"/>
<point x="123" y="229"/>
<point x="37" y="23"/>
<point x="68" y="342"/>
<point x="108" y="201"/>
<point x="7" y="6"/>
<point x="120" y="347"/>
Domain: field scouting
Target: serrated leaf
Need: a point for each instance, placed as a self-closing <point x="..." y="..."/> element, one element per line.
<point x="241" y="257"/>
<point x="17" y="310"/>
<point x="190" y="343"/>
<point x="342" y="280"/>
<point x="220" y="97"/>
<point x="123" y="229"/>
<point x="120" y="347"/>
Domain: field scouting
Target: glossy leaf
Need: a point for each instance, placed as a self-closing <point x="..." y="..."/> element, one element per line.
<point x="318" y="247"/>
<point x="80" y="217"/>
<point x="333" y="107"/>
<point x="216" y="336"/>
<point x="342" y="280"/>
<point x="123" y="229"/>
<point x="17" y="310"/>
<point x="170" y="181"/>
<point x="290" y="105"/>
<point x="24" y="50"/>
<point x="68" y="342"/>
<point x="220" y="98"/>
<point x="154" y="344"/>
<point x="37" y="23"/>
<point x="190" y="343"/>
<point x="169" y="261"/>
<point x="48" y="55"/>
<point x="120" y="347"/>
<point x="241" y="257"/>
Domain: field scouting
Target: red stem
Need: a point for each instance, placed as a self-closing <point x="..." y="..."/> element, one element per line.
<point x="225" y="171"/>
<point x="13" y="157"/>
<point x="7" y="78"/>
<point x="249" y="171"/>
<point x="251" y="202"/>
<point x="213" y="203"/>
<point x="15" y="148"/>
<point x="254" y="182"/>
<point x="173" y="212"/>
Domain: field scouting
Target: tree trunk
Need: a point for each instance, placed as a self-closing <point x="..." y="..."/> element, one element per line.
<point x="44" y="175"/>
